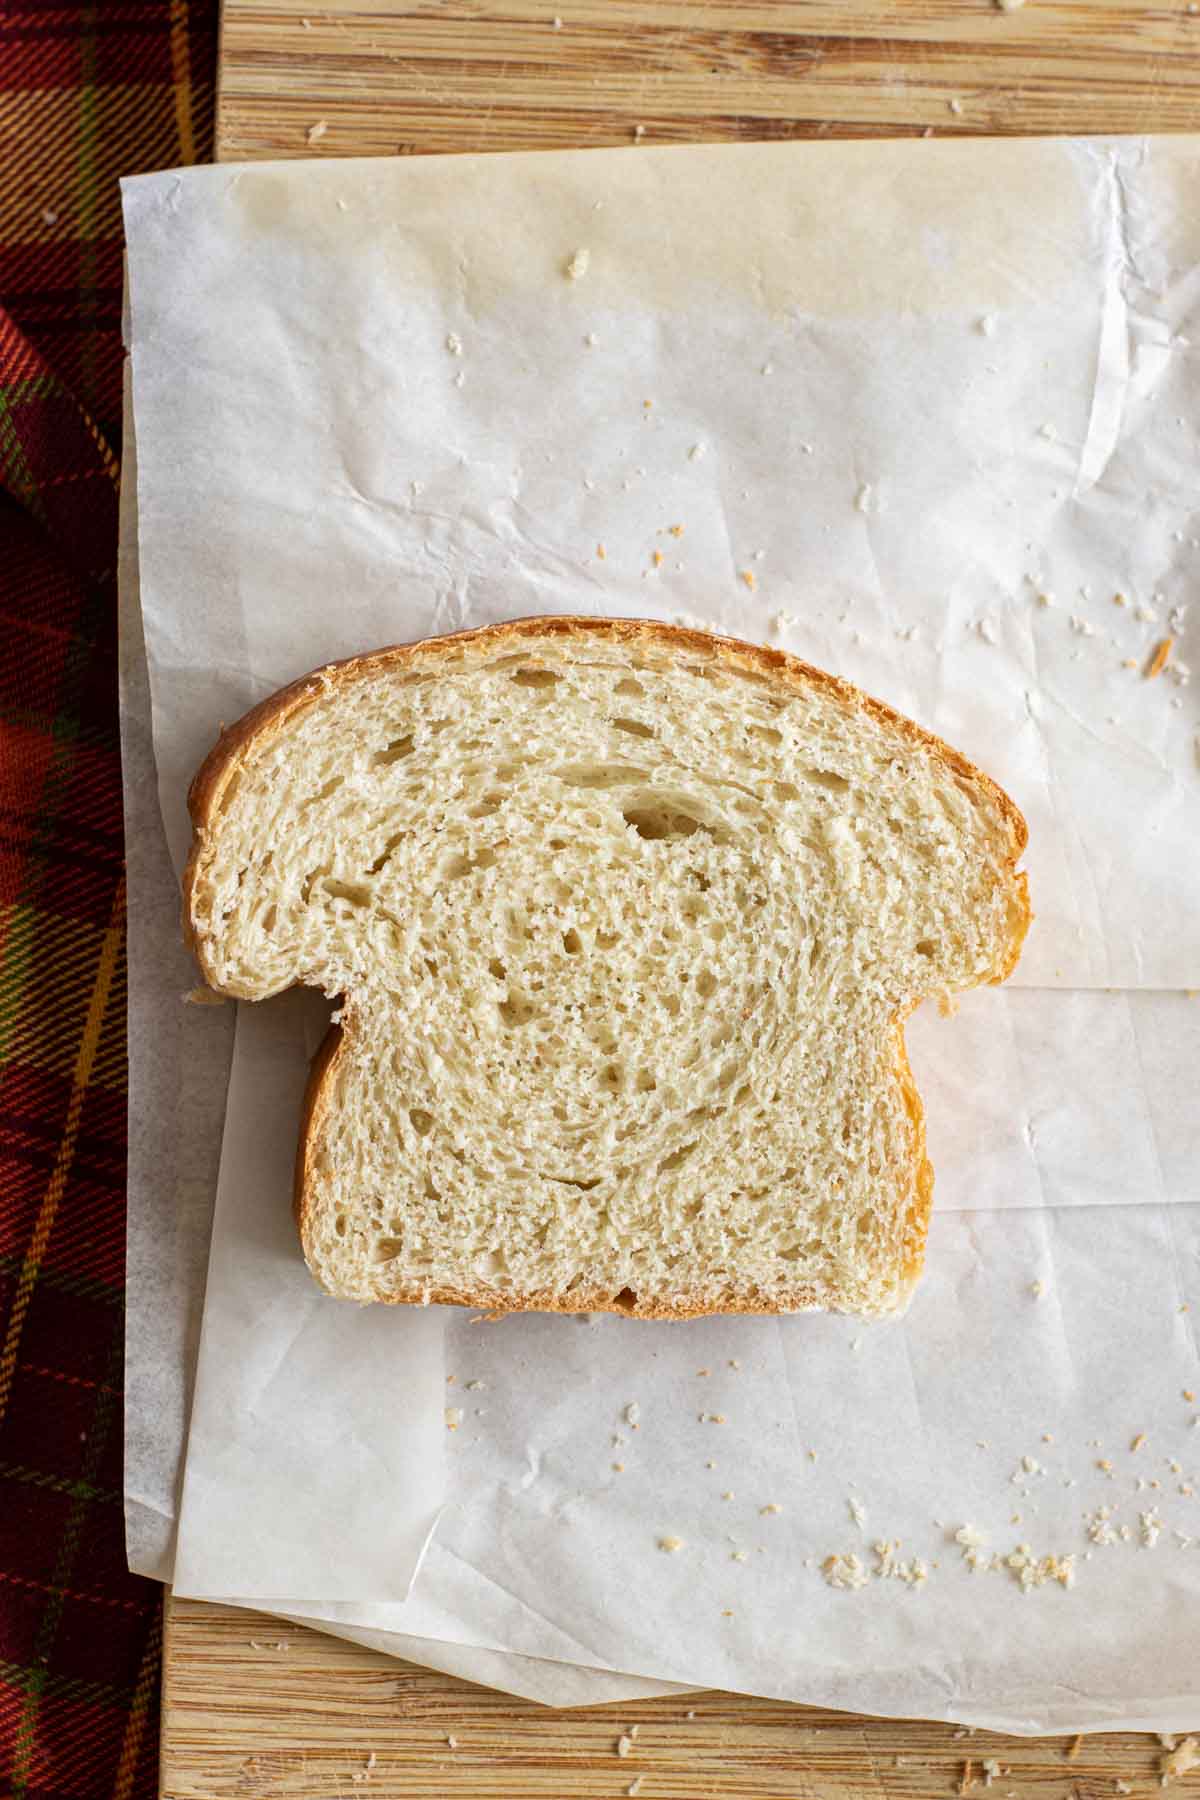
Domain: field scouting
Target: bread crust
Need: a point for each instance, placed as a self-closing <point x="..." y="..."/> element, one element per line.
<point x="272" y="716"/>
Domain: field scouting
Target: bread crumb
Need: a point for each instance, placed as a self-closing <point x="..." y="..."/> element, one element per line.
<point x="639" y="132"/>
<point x="316" y="132"/>
<point x="845" y="1571"/>
<point x="728" y="1494"/>
<point x="1008" y="5"/>
<point x="635" y="1786"/>
<point x="1120" y="599"/>
<point x="716" y="1419"/>
<point x="676" y="531"/>
<point x="451" y="1742"/>
<point x="556" y="23"/>
<point x="862" y="500"/>
<point x="576" y="265"/>
<point x="632" y="1414"/>
<point x="657" y="559"/>
<point x="1150" y="1526"/>
<point x="750" y="578"/>
<point x="1081" y="626"/>
<point x="772" y="1506"/>
<point x="1189" y="1395"/>
<point x="857" y="1510"/>
<point x="473" y="1386"/>
<point x="1121" y="1787"/>
<point x="739" y="1556"/>
<point x="1137" y="1442"/>
<point x="986" y="326"/>
<point x="624" y="1744"/>
<point x="955" y="106"/>
<point x="670" y="1544"/>
<point x="991" y="1769"/>
<point x="618" y="1468"/>
<point x="812" y="1456"/>
<point x="1045" y="599"/>
<point x="1160" y="658"/>
<point x="697" y="452"/>
<point x="453" y="1418"/>
<point x="1037" y="1289"/>
<point x="1178" y="1761"/>
<point x="454" y="343"/>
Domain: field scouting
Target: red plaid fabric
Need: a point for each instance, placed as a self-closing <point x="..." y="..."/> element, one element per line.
<point x="88" y="92"/>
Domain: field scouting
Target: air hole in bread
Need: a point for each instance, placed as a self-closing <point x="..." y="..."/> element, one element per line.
<point x="706" y="983"/>
<point x="676" y="1159"/>
<point x="627" y="685"/>
<point x="572" y="942"/>
<point x="422" y="1121"/>
<point x="625" y="1301"/>
<point x="768" y="734"/>
<point x="535" y="678"/>
<point x="926" y="947"/>
<point x="386" y="854"/>
<point x="657" y="824"/>
<point x="634" y="727"/>
<point x="395" y="752"/>
<point x="387" y="1249"/>
<point x="516" y="1011"/>
<point x="601" y="775"/>
<point x="829" y="779"/>
<point x="645" y="1082"/>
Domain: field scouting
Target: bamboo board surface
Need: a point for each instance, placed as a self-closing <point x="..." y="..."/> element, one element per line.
<point x="438" y="75"/>
<point x="255" y="1708"/>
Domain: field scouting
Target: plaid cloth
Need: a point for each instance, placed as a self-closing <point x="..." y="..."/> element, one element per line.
<point x="88" y="92"/>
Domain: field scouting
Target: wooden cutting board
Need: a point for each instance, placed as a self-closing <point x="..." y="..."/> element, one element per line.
<point x="254" y="1708"/>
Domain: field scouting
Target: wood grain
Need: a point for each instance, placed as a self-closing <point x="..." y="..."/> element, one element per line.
<point x="255" y="1708"/>
<point x="453" y="75"/>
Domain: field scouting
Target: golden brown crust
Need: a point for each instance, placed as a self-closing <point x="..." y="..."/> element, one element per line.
<point x="274" y="714"/>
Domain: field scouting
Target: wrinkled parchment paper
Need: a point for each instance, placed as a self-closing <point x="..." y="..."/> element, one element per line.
<point x="923" y="420"/>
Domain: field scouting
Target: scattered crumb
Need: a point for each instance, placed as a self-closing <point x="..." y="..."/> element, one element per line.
<point x="750" y="578"/>
<point x="812" y="1456"/>
<point x="601" y="552"/>
<point x="986" y="630"/>
<point x="1122" y="1787"/>
<point x="556" y="23"/>
<point x="986" y="326"/>
<point x="618" y="1468"/>
<point x="1045" y="599"/>
<point x="1189" y="1395"/>
<point x="1179" y="1761"/>
<point x="739" y="1556"/>
<point x="676" y="531"/>
<point x="1120" y="600"/>
<point x="845" y="1571"/>
<point x="862" y="500"/>
<point x="772" y="1506"/>
<point x="635" y="1786"/>
<point x="1138" y="1441"/>
<point x="1037" y="1289"/>
<point x="657" y="559"/>
<point x="728" y="1494"/>
<point x="1008" y="5"/>
<point x="991" y="1769"/>
<point x="1082" y="627"/>
<point x="955" y="106"/>
<point x="783" y="620"/>
<point x="49" y="216"/>
<point x="451" y="1742"/>
<point x="576" y="265"/>
<point x="316" y="132"/>
<point x="858" y="1511"/>
<point x="591" y="340"/>
<point x="639" y="132"/>
<point x="670" y="1544"/>
<point x="1150" y="1528"/>
<point x="697" y="451"/>
<point x="1160" y="658"/>
<point x="453" y="1418"/>
<point x="716" y="1418"/>
<point x="624" y="1744"/>
<point x="473" y="1386"/>
<point x="454" y="343"/>
<point x="632" y="1414"/>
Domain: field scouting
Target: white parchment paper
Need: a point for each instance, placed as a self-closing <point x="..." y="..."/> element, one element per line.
<point x="895" y="399"/>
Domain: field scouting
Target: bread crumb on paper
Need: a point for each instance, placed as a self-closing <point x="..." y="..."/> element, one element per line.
<point x="1160" y="658"/>
<point x="991" y="1770"/>
<point x="632" y="1414"/>
<point x="1137" y="1441"/>
<point x="749" y="578"/>
<point x="576" y="265"/>
<point x="670" y="1544"/>
<point x="454" y="343"/>
<point x="845" y="1571"/>
<point x="772" y="1506"/>
<point x="453" y="1417"/>
<point x="857" y="1511"/>
<point x="986" y="325"/>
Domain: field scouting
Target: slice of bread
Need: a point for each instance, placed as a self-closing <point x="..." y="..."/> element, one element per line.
<point x="625" y="921"/>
